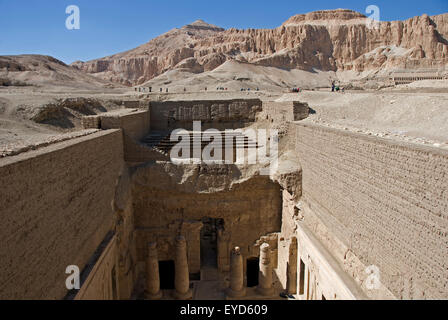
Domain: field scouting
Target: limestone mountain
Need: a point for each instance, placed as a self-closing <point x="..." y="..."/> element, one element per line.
<point x="329" y="40"/>
<point x="45" y="71"/>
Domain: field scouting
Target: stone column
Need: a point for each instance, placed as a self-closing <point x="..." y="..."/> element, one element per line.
<point x="291" y="286"/>
<point x="152" y="273"/>
<point x="237" y="288"/>
<point x="265" y="275"/>
<point x="223" y="250"/>
<point x="182" y="276"/>
<point x="192" y="233"/>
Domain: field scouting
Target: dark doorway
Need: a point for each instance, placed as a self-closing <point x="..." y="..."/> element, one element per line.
<point x="209" y="236"/>
<point x="166" y="272"/>
<point x="252" y="270"/>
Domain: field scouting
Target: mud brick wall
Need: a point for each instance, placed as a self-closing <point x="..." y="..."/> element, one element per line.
<point x="55" y="210"/>
<point x="387" y="201"/>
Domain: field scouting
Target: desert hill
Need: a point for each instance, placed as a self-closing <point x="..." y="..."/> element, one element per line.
<point x="42" y="98"/>
<point x="45" y="71"/>
<point x="234" y="75"/>
<point x="330" y="40"/>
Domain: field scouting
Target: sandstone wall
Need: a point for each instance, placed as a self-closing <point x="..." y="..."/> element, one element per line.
<point x="163" y="209"/>
<point x="218" y="114"/>
<point x="125" y="235"/>
<point x="305" y="267"/>
<point x="102" y="284"/>
<point x="285" y="111"/>
<point x="135" y="124"/>
<point x="133" y="103"/>
<point x="375" y="202"/>
<point x="135" y="152"/>
<point x="56" y="209"/>
<point x="278" y="114"/>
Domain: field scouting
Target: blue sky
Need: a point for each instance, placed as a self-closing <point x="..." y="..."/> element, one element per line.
<point x="108" y="27"/>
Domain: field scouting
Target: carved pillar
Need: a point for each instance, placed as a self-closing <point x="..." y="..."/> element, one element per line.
<point x="152" y="273"/>
<point x="223" y="250"/>
<point x="181" y="277"/>
<point x="237" y="288"/>
<point x="191" y="230"/>
<point x="265" y="275"/>
<point x="292" y="267"/>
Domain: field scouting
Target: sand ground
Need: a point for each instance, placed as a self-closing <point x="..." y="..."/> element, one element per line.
<point x="417" y="112"/>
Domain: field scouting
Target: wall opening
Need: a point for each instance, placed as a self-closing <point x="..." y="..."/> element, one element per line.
<point x="302" y="278"/>
<point x="166" y="272"/>
<point x="209" y="243"/>
<point x="252" y="271"/>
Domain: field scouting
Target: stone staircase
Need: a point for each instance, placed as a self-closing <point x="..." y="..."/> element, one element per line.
<point x="160" y="141"/>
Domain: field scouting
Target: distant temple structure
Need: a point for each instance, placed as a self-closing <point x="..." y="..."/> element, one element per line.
<point x="406" y="76"/>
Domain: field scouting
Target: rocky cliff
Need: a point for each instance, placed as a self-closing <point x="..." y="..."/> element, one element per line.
<point x="329" y="40"/>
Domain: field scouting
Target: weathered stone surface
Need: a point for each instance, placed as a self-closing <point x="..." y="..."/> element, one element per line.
<point x="265" y="275"/>
<point x="218" y="114"/>
<point x="181" y="278"/>
<point x="152" y="273"/>
<point x="385" y="201"/>
<point x="56" y="210"/>
<point x="339" y="203"/>
<point x="327" y="40"/>
<point x="236" y="288"/>
<point x="168" y="197"/>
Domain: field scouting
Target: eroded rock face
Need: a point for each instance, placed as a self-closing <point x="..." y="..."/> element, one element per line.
<point x="153" y="58"/>
<point x="327" y="40"/>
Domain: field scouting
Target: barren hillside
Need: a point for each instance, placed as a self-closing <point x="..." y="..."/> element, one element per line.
<point x="30" y="70"/>
<point x="42" y="97"/>
<point x="331" y="40"/>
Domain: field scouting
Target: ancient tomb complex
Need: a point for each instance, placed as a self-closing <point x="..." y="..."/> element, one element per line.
<point x="341" y="215"/>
